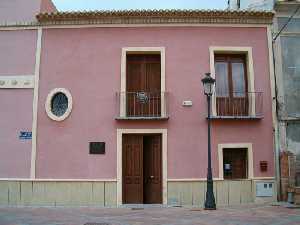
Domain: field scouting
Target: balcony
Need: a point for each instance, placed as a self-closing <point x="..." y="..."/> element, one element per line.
<point x="238" y="105"/>
<point x="142" y="106"/>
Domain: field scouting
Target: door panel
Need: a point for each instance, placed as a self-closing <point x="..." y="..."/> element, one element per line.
<point x="152" y="169"/>
<point x="132" y="164"/>
<point x="134" y="83"/>
<point x="153" y="88"/>
<point x="237" y="159"/>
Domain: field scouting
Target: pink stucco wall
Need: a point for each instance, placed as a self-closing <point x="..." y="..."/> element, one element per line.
<point x="15" y="116"/>
<point x="87" y="62"/>
<point x="17" y="52"/>
<point x="17" y="57"/>
<point x="23" y="10"/>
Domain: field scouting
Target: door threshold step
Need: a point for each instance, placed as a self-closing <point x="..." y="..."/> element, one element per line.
<point x="142" y="206"/>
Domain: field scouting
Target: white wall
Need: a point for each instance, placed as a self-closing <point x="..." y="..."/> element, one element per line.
<point x="253" y="4"/>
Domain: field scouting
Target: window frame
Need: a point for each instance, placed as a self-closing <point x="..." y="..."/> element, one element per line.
<point x="230" y="50"/>
<point x="142" y="50"/>
<point x="48" y="104"/>
<point x="229" y="59"/>
<point x="248" y="146"/>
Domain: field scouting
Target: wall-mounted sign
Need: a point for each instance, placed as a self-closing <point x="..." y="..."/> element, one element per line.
<point x="97" y="147"/>
<point x="227" y="166"/>
<point x="187" y="103"/>
<point x="25" y="135"/>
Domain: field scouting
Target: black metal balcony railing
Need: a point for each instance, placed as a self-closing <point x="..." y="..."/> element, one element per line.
<point x="142" y="105"/>
<point x="239" y="105"/>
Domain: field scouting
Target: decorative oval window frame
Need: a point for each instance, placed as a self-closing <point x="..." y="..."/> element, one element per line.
<point x="48" y="104"/>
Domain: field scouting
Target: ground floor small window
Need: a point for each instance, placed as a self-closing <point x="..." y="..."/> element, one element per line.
<point x="235" y="163"/>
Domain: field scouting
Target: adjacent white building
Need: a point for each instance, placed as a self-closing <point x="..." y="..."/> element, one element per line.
<point x="251" y="4"/>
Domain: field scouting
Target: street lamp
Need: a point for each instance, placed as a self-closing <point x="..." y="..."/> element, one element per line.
<point x="208" y="83"/>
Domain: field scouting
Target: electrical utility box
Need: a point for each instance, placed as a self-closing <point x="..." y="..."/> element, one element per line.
<point x="264" y="189"/>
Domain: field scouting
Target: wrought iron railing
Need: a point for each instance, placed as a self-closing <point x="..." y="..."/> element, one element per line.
<point x="142" y="105"/>
<point x="238" y="105"/>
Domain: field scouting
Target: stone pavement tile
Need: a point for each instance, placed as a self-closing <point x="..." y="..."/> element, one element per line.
<point x="239" y="215"/>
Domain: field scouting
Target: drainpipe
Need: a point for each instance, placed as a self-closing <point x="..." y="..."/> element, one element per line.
<point x="276" y="130"/>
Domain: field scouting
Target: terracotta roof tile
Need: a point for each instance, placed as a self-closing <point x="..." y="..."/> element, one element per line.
<point x="157" y="16"/>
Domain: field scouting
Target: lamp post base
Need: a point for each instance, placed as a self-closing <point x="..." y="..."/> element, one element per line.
<point x="210" y="203"/>
<point x="210" y="206"/>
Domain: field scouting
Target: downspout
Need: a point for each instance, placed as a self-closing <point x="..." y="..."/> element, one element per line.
<point x="276" y="130"/>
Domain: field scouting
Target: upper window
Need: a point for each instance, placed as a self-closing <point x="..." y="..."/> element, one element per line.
<point x="143" y="85"/>
<point x="59" y="104"/>
<point x="231" y="78"/>
<point x="143" y="94"/>
<point x="231" y="85"/>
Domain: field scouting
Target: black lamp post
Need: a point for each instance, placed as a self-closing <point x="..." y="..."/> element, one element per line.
<point x="208" y="83"/>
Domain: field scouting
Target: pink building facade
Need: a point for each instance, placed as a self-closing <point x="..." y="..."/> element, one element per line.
<point x="91" y="142"/>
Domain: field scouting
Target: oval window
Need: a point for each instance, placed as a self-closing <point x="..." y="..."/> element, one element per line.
<point x="59" y="104"/>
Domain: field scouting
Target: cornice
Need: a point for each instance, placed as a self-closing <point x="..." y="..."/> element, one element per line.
<point x="156" y="17"/>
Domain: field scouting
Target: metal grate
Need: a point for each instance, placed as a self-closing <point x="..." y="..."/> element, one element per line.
<point x="59" y="104"/>
<point x="239" y="104"/>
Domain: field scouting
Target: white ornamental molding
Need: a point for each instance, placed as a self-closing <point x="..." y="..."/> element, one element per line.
<point x="20" y="81"/>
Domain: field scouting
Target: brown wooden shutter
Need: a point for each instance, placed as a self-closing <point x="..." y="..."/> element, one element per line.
<point x="132" y="169"/>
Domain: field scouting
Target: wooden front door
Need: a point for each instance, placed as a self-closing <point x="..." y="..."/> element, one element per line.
<point x="142" y="169"/>
<point x="132" y="167"/>
<point x="143" y="85"/>
<point x="231" y="85"/>
<point x="235" y="163"/>
<point x="152" y="170"/>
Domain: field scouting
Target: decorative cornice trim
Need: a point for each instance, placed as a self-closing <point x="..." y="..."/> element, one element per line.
<point x="33" y="24"/>
<point x="156" y="17"/>
<point x="17" y="81"/>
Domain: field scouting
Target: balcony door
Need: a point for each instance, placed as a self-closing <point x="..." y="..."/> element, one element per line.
<point x="231" y="85"/>
<point x="143" y="85"/>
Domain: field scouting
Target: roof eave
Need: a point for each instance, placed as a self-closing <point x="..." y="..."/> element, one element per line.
<point x="157" y="16"/>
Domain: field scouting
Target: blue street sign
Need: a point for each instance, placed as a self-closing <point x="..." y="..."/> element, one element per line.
<point x="25" y="135"/>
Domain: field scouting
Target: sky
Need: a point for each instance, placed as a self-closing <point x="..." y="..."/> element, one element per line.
<point x="71" y="5"/>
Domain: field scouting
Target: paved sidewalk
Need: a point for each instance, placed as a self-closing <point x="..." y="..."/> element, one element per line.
<point x="244" y="215"/>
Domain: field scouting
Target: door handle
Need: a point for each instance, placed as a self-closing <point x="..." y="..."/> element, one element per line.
<point x="151" y="177"/>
